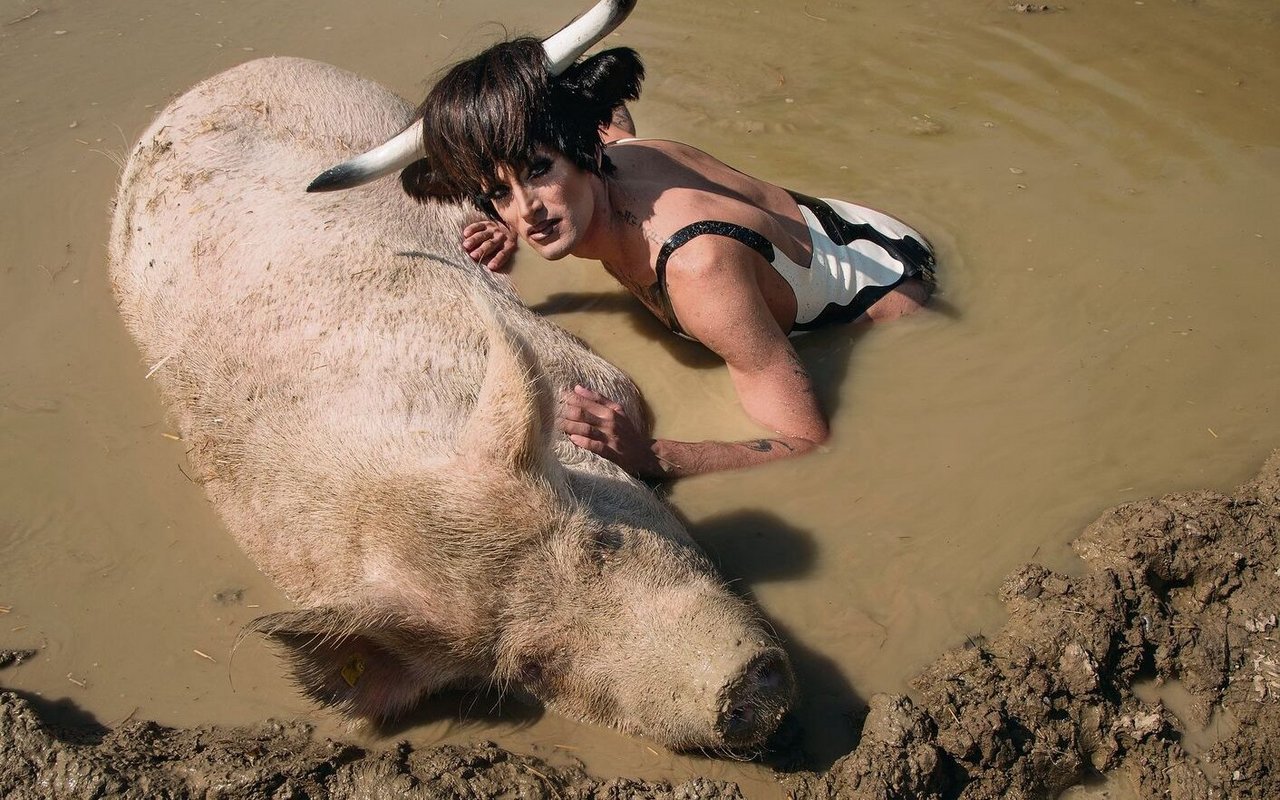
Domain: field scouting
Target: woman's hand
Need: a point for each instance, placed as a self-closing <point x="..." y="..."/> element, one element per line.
<point x="489" y="243"/>
<point x="596" y="423"/>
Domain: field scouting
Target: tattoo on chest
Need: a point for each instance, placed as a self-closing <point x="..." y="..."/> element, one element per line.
<point x="633" y="221"/>
<point x="648" y="293"/>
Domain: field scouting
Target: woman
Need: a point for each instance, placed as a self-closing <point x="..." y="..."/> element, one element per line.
<point x="731" y="261"/>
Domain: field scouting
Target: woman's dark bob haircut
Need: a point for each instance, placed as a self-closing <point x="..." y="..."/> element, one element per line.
<point x="503" y="105"/>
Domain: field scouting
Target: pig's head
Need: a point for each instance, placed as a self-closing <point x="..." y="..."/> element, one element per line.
<point x="573" y="584"/>
<point x="615" y="618"/>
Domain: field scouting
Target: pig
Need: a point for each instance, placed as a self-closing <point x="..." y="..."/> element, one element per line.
<point x="372" y="415"/>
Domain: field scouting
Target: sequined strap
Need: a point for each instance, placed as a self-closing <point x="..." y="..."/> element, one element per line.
<point x="692" y="231"/>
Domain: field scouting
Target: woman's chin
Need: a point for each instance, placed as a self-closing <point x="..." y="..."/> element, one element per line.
<point x="552" y="250"/>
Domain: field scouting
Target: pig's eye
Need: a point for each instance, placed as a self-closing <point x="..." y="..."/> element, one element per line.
<point x="530" y="671"/>
<point x="606" y="540"/>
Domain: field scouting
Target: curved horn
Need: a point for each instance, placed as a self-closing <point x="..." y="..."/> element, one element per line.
<point x="563" y="48"/>
<point x="395" y="154"/>
<point x="565" y="45"/>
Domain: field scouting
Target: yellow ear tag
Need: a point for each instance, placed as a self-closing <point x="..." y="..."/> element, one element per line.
<point x="353" y="670"/>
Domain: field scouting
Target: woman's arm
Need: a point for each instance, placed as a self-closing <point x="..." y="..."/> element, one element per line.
<point x="719" y="302"/>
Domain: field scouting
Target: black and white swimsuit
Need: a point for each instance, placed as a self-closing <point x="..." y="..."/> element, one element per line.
<point x="859" y="256"/>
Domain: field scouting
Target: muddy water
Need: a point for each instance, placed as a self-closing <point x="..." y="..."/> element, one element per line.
<point x="1101" y="183"/>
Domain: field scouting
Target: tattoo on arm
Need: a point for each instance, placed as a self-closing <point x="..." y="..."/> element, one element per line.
<point x="766" y="445"/>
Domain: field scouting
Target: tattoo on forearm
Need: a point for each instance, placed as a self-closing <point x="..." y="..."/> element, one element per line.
<point x="766" y="445"/>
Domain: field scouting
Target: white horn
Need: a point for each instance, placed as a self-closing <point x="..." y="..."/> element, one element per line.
<point x="565" y="45"/>
<point x="395" y="154"/>
<point x="563" y="48"/>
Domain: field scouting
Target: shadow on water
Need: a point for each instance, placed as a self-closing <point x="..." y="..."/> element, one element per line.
<point x="828" y="353"/>
<point x="826" y="723"/>
<point x="688" y="353"/>
<point x="64" y="720"/>
<point x="477" y="709"/>
<point x="940" y="305"/>
<point x="617" y="302"/>
<point x="753" y="547"/>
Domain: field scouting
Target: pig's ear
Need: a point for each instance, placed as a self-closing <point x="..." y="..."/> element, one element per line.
<point x="360" y="668"/>
<point x="514" y="410"/>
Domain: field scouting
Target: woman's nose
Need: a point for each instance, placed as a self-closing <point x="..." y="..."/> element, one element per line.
<point x="528" y="204"/>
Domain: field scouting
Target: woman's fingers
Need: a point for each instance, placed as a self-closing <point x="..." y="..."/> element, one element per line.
<point x="493" y="255"/>
<point x="583" y="429"/>
<point x="599" y="406"/>
<point x="480" y="241"/>
<point x="586" y="419"/>
<point x="574" y="409"/>
<point x="594" y="422"/>
<point x="477" y="233"/>
<point x="594" y="445"/>
<point x="489" y="243"/>
<point x="478" y="249"/>
<point x="501" y="256"/>
<point x="597" y="398"/>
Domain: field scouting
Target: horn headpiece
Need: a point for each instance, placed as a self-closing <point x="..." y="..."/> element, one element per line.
<point x="562" y="47"/>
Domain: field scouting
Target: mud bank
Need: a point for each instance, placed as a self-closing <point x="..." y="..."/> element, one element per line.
<point x="1184" y="588"/>
<point x="1184" y="591"/>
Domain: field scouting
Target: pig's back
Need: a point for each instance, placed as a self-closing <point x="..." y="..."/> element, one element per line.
<point x="307" y="343"/>
<point x="223" y="263"/>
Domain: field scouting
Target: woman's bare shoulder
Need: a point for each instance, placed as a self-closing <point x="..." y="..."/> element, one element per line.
<point x="652" y="150"/>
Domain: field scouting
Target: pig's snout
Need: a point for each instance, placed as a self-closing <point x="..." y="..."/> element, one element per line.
<point x="753" y="702"/>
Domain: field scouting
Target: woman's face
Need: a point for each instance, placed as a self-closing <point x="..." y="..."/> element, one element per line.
<point x="549" y="202"/>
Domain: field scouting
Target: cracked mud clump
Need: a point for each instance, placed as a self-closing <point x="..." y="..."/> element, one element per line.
<point x="1181" y="589"/>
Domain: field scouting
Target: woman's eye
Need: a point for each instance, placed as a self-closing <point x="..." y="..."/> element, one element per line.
<point x="497" y="194"/>
<point x="539" y="168"/>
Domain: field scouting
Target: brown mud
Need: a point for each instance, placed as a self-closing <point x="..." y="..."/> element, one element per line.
<point x="1183" y="590"/>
